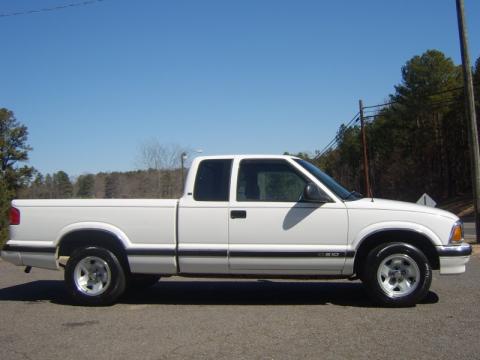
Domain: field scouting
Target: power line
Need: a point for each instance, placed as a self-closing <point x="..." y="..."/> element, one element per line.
<point x="427" y="95"/>
<point x="380" y="105"/>
<point x="374" y="114"/>
<point x="336" y="138"/>
<point x="432" y="106"/>
<point x="354" y="119"/>
<point x="53" y="8"/>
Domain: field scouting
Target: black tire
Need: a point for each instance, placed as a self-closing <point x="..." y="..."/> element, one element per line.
<point x="142" y="281"/>
<point x="105" y="272"/>
<point x="409" y="275"/>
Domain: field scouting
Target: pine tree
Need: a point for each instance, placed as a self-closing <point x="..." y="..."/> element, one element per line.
<point x="62" y="186"/>
<point x="5" y="197"/>
<point x="112" y="185"/>
<point x="13" y="149"/>
<point x="86" y="186"/>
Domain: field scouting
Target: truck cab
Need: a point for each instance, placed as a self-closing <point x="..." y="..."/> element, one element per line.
<point x="253" y="218"/>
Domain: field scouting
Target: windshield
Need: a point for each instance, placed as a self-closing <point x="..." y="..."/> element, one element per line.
<point x="326" y="180"/>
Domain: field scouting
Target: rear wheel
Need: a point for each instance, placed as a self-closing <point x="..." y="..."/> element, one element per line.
<point x="397" y="274"/>
<point x="94" y="276"/>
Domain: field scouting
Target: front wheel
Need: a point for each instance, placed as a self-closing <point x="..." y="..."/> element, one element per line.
<point x="94" y="276"/>
<point x="397" y="274"/>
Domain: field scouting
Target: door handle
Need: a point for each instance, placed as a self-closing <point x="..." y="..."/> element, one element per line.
<point x="238" y="214"/>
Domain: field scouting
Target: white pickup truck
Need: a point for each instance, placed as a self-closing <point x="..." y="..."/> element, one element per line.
<point x="241" y="215"/>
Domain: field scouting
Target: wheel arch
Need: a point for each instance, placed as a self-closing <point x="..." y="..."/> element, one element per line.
<point x="415" y="238"/>
<point x="93" y="226"/>
<point x="79" y="235"/>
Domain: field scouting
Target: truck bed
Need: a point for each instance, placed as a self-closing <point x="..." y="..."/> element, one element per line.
<point x="140" y="224"/>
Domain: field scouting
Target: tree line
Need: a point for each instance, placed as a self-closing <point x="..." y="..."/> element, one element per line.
<point x="417" y="142"/>
<point x="160" y="177"/>
<point x="149" y="183"/>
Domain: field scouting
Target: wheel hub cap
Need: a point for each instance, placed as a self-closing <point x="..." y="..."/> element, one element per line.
<point x="92" y="276"/>
<point x="398" y="275"/>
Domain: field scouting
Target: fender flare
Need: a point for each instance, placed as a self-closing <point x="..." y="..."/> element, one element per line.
<point x="394" y="226"/>
<point x="93" y="226"/>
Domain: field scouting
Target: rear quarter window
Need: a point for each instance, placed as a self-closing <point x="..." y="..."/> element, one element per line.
<point x="213" y="180"/>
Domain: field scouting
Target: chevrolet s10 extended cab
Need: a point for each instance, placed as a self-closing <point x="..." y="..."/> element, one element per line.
<point x="241" y="215"/>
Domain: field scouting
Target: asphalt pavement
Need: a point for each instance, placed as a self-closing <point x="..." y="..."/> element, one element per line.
<point x="237" y="319"/>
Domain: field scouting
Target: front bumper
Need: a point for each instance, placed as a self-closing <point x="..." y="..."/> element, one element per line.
<point x="453" y="258"/>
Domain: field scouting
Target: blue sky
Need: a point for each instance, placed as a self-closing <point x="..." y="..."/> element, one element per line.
<point x="252" y="76"/>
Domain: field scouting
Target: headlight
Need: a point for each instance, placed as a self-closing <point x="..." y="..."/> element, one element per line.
<point x="456" y="236"/>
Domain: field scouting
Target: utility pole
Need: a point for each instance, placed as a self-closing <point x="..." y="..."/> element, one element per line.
<point x="366" y="169"/>
<point x="183" y="157"/>
<point x="470" y="112"/>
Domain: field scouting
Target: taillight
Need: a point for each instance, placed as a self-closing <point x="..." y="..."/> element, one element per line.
<point x="14" y="216"/>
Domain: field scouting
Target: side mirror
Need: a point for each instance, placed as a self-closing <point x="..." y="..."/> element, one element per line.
<point x="312" y="193"/>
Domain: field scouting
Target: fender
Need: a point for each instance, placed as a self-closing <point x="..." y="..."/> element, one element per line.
<point x="394" y="225"/>
<point x="93" y="226"/>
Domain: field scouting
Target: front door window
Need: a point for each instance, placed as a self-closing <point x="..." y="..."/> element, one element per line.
<point x="269" y="180"/>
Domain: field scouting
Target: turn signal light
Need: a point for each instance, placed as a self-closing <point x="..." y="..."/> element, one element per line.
<point x="14" y="216"/>
<point x="457" y="233"/>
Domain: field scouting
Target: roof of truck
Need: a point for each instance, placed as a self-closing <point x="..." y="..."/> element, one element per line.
<point x="250" y="156"/>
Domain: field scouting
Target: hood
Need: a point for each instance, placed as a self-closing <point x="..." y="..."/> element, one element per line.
<point x="392" y="205"/>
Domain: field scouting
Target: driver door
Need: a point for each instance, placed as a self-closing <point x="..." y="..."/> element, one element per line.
<point x="272" y="231"/>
